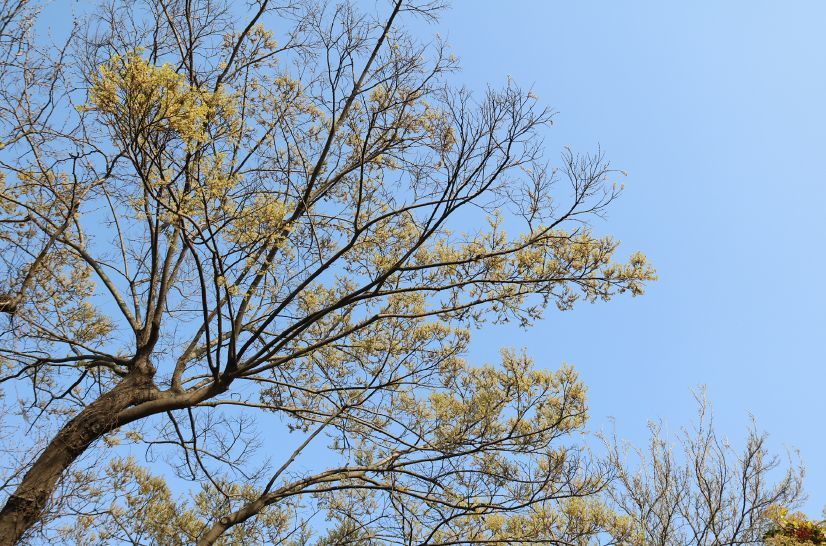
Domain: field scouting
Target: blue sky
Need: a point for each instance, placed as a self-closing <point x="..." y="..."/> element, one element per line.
<point x="716" y="110"/>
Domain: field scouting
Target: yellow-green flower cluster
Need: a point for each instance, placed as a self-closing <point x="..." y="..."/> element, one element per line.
<point x="141" y="98"/>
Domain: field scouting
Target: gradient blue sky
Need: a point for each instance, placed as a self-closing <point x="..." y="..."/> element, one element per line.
<point x="716" y="110"/>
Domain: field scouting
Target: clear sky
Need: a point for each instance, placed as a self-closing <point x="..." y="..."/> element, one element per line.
<point x="716" y="110"/>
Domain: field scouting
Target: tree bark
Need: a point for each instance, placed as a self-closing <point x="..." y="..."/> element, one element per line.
<point x="219" y="527"/>
<point x="24" y="507"/>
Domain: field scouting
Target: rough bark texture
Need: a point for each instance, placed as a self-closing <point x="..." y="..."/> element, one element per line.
<point x="24" y="507"/>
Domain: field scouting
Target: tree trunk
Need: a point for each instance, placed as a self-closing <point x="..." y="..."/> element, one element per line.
<point x="24" y="507"/>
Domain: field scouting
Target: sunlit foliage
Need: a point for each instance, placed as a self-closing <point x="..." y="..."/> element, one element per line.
<point x="223" y="222"/>
<point x="793" y="528"/>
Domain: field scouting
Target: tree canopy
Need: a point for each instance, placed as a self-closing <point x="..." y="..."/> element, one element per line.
<point x="223" y="222"/>
<point x="244" y="252"/>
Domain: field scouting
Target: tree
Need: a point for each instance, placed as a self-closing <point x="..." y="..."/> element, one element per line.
<point x="212" y="231"/>
<point x="793" y="529"/>
<point x="707" y="493"/>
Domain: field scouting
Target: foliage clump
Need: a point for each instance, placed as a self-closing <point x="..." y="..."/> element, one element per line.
<point x="793" y="528"/>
